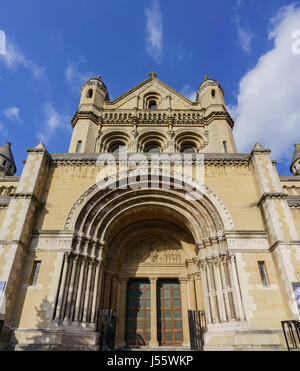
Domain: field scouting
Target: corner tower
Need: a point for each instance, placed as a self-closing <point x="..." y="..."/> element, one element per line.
<point x="7" y="163"/>
<point x="295" y="165"/>
<point x="85" y="121"/>
<point x="210" y="98"/>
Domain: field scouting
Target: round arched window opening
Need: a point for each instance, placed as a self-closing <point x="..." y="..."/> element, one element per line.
<point x="116" y="148"/>
<point x="152" y="105"/>
<point x="188" y="149"/>
<point x="89" y="93"/>
<point x="152" y="148"/>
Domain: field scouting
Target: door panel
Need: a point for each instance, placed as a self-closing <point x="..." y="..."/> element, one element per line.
<point x="138" y="312"/>
<point x="169" y="323"/>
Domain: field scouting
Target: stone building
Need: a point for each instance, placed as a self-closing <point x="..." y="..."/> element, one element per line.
<point x="76" y="236"/>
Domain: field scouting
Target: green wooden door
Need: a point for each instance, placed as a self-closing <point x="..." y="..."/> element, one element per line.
<point x="138" y="312"/>
<point x="169" y="323"/>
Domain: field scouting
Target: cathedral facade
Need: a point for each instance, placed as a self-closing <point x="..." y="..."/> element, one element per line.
<point x="153" y="213"/>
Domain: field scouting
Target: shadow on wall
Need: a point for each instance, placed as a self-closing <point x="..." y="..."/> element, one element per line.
<point x="42" y="337"/>
<point x="45" y="337"/>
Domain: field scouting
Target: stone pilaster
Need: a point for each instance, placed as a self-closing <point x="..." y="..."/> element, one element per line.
<point x="153" y="341"/>
<point x="279" y="222"/>
<point x="15" y="233"/>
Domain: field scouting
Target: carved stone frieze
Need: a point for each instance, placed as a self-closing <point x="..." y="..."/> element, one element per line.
<point x="154" y="250"/>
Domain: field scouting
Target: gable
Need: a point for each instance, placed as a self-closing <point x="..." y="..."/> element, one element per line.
<point x="137" y="97"/>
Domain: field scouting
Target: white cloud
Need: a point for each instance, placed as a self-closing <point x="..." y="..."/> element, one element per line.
<point x="244" y="35"/>
<point x="12" y="113"/>
<point x="74" y="77"/>
<point x="53" y="121"/>
<point x="3" y="131"/>
<point x="13" y="59"/>
<point x="154" y="29"/>
<point x="188" y="92"/>
<point x="268" y="109"/>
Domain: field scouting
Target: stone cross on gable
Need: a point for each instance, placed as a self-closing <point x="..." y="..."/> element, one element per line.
<point x="152" y="74"/>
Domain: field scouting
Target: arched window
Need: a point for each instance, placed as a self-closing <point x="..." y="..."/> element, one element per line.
<point x="151" y="101"/>
<point x="153" y="148"/>
<point x="225" y="147"/>
<point x="213" y="93"/>
<point x="115" y="148"/>
<point x="89" y="93"/>
<point x="188" y="149"/>
<point x="78" y="147"/>
<point x="152" y="105"/>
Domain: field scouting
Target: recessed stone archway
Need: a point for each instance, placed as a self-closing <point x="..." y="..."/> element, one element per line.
<point x="147" y="233"/>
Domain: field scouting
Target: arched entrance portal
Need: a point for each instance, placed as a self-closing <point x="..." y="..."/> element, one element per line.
<point x="151" y="254"/>
<point x="152" y="277"/>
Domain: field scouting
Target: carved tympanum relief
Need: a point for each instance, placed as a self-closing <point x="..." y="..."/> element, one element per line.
<point x="154" y="250"/>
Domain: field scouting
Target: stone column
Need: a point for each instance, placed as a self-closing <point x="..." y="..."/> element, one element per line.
<point x="226" y="288"/>
<point x="61" y="287"/>
<point x="191" y="289"/>
<point x="71" y="287"/>
<point x="199" y="298"/>
<point x="87" y="292"/>
<point x="121" y="318"/>
<point x="203" y="270"/>
<point x="79" y="291"/>
<point x="94" y="298"/>
<point x="112" y="296"/>
<point x="184" y="312"/>
<point x="212" y="294"/>
<point x="153" y="341"/>
<point x="100" y="285"/>
<point x="107" y="291"/>
<point x="236" y="289"/>
<point x="219" y="291"/>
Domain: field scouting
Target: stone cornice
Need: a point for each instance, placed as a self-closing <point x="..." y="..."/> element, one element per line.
<point x="245" y="234"/>
<point x="273" y="195"/>
<point x="27" y="195"/>
<point x="84" y="115"/>
<point x="13" y="242"/>
<point x="285" y="243"/>
<point x="149" y="117"/>
<point x="285" y="178"/>
<point x="209" y="158"/>
<point x="9" y="179"/>
<point x="294" y="201"/>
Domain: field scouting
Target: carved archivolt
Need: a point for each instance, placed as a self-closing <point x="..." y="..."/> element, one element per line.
<point x="96" y="204"/>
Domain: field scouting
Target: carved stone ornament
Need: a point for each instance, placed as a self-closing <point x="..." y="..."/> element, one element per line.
<point x="154" y="250"/>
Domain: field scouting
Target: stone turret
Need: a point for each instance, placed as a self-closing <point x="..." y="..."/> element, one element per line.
<point x="210" y="92"/>
<point x="94" y="94"/>
<point x="210" y="98"/>
<point x="7" y="163"/>
<point x="295" y="165"/>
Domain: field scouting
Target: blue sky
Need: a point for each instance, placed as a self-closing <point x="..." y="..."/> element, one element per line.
<point x="52" y="47"/>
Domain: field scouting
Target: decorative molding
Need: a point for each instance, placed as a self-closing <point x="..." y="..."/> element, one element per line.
<point x="9" y="179"/>
<point x="154" y="251"/>
<point x="271" y="195"/>
<point x="285" y="178"/>
<point x="209" y="158"/>
<point x="294" y="201"/>
<point x="284" y="243"/>
<point x="4" y="201"/>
